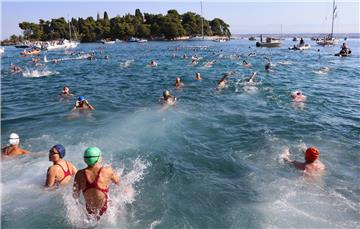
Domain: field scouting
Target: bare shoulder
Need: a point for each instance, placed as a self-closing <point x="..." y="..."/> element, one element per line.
<point x="108" y="169"/>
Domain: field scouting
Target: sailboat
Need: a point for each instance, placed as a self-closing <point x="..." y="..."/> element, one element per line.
<point x="329" y="40"/>
<point x="62" y="44"/>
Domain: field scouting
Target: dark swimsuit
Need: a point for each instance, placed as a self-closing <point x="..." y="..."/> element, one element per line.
<point x="66" y="173"/>
<point x="95" y="185"/>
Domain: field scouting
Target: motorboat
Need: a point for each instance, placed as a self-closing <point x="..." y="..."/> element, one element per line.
<point x="294" y="39"/>
<point x="220" y="40"/>
<point x="59" y="45"/>
<point x="344" y="53"/>
<point x="252" y="39"/>
<point x="142" y="41"/>
<point x="107" y="42"/>
<point x="269" y="43"/>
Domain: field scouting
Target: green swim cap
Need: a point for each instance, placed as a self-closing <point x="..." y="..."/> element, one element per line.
<point x="92" y="155"/>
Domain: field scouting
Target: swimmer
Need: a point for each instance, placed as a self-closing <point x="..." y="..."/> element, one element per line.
<point x="61" y="172"/>
<point x="178" y="83"/>
<point x="323" y="70"/>
<point x="251" y="79"/>
<point x="298" y="96"/>
<point x="311" y="165"/>
<point x="222" y="82"/>
<point x="65" y="92"/>
<point x="246" y="64"/>
<point x="14" y="69"/>
<point x="153" y="63"/>
<point x="13" y="149"/>
<point x="267" y="67"/>
<point x="168" y="99"/>
<point x="82" y="104"/>
<point x="198" y="76"/>
<point x="94" y="182"/>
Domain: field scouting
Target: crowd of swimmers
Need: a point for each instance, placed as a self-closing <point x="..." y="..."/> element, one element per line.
<point x="94" y="180"/>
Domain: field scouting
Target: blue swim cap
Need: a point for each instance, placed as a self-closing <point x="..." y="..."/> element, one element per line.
<point x="61" y="150"/>
<point x="81" y="98"/>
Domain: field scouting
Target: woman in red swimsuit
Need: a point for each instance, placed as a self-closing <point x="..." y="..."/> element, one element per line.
<point x="61" y="171"/>
<point x="94" y="182"/>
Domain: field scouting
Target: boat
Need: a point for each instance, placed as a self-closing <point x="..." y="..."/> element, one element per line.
<point x="295" y="39"/>
<point x="220" y="40"/>
<point x="252" y="39"/>
<point x="343" y="54"/>
<point x="300" y="47"/>
<point x="329" y="39"/>
<point x="133" y="39"/>
<point x="142" y="41"/>
<point x="30" y="52"/>
<point x="270" y="42"/>
<point x="2" y="50"/>
<point x="107" y="42"/>
<point x="61" y="44"/>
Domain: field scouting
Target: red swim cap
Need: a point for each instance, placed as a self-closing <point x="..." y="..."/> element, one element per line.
<point x="311" y="154"/>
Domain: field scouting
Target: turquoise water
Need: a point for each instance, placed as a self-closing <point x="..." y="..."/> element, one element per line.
<point x="210" y="161"/>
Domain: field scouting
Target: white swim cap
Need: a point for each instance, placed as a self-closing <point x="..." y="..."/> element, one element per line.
<point x="14" y="139"/>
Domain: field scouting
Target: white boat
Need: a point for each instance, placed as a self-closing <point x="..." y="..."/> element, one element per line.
<point x="2" y="50"/>
<point x="269" y="42"/>
<point x="61" y="44"/>
<point x="220" y="40"/>
<point x="329" y="40"/>
<point x="107" y="42"/>
<point x="142" y="40"/>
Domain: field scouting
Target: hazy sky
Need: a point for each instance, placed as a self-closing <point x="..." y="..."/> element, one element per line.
<point x="259" y="16"/>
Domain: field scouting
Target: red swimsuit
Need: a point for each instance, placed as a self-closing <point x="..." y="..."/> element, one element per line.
<point x="66" y="173"/>
<point x="96" y="186"/>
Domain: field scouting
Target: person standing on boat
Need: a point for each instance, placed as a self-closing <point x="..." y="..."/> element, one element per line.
<point x="302" y="42"/>
<point x="61" y="172"/>
<point x="94" y="182"/>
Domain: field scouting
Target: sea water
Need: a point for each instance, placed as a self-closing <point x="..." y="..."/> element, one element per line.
<point x="213" y="160"/>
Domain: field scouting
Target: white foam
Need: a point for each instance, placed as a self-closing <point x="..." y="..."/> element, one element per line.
<point x="38" y="73"/>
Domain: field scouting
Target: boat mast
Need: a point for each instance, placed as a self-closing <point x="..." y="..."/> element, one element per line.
<point x="202" y="22"/>
<point x="332" y="23"/>
<point x="69" y="31"/>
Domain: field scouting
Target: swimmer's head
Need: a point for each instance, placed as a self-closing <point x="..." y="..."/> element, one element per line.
<point x="311" y="154"/>
<point x="14" y="139"/>
<point x="166" y="93"/>
<point x="66" y="89"/>
<point x="57" y="149"/>
<point x="178" y="79"/>
<point x="296" y="94"/>
<point x="81" y="98"/>
<point x="92" y="156"/>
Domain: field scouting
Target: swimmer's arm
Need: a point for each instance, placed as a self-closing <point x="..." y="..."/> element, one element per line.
<point x="91" y="107"/>
<point x="298" y="165"/>
<point x="115" y="178"/>
<point x="24" y="151"/>
<point x="50" y="178"/>
<point x="76" y="187"/>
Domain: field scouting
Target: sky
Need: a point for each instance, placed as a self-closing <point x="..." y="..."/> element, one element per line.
<point x="244" y="17"/>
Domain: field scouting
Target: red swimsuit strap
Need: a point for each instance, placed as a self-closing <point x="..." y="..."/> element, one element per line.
<point x="66" y="173"/>
<point x="94" y="184"/>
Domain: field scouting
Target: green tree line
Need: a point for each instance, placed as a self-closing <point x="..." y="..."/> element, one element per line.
<point x="149" y="26"/>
